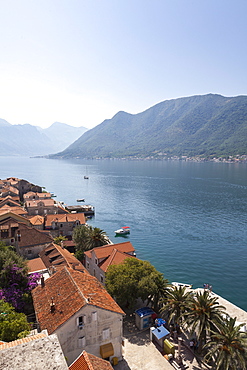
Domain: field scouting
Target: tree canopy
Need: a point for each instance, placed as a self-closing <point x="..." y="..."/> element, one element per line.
<point x="135" y="279"/>
<point x="88" y="237"/>
<point x="227" y="348"/>
<point x="12" y="323"/>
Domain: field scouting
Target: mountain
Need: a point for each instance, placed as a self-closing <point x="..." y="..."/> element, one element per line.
<point x="198" y="125"/>
<point x="64" y="133"/>
<point x="28" y="140"/>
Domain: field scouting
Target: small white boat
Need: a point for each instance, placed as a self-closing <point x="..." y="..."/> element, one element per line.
<point x="123" y="231"/>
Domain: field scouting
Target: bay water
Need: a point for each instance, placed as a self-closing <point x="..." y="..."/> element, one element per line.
<point x="187" y="218"/>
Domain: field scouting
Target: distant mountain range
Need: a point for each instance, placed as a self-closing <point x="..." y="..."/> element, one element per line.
<point x="28" y="140"/>
<point x="205" y="125"/>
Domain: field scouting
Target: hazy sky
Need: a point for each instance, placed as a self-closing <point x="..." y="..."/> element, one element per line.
<point x="80" y="62"/>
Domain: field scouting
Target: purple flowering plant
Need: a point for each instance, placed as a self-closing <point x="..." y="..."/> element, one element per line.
<point x="15" y="284"/>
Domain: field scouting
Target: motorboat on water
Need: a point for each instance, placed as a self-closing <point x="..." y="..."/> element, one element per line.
<point x="123" y="231"/>
<point x="81" y="200"/>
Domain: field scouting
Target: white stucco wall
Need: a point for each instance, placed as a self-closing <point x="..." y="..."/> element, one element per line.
<point x="69" y="333"/>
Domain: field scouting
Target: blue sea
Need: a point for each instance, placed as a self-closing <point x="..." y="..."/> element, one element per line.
<point x="187" y="218"/>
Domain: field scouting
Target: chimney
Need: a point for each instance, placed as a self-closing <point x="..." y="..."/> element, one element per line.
<point x="42" y="281"/>
<point x="52" y="306"/>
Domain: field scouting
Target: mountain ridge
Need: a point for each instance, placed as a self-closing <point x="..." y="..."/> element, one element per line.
<point x="206" y="125"/>
<point x="29" y="140"/>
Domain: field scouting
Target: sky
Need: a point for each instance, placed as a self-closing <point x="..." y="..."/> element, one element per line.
<point x="80" y="62"/>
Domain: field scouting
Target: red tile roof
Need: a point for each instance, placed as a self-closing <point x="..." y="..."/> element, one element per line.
<point x="18" y="210"/>
<point x="54" y="255"/>
<point x="37" y="220"/>
<point x="68" y="217"/>
<point x="87" y="361"/>
<point x="35" y="203"/>
<point x="106" y="250"/>
<point x="35" y="264"/>
<point x="69" y="290"/>
<point x="31" y="236"/>
<point x="115" y="258"/>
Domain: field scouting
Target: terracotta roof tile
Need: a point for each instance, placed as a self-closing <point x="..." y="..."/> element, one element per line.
<point x="18" y="210"/>
<point x="31" y="236"/>
<point x="37" y="220"/>
<point x="55" y="255"/>
<point x="70" y="290"/>
<point x="35" y="203"/>
<point x="68" y="217"/>
<point x="35" y="264"/>
<point x="87" y="361"/>
<point x="115" y="258"/>
<point x="106" y="250"/>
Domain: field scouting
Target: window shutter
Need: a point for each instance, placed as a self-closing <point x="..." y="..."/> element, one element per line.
<point x="106" y="334"/>
<point x="94" y="316"/>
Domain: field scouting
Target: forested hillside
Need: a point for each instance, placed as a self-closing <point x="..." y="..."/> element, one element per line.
<point x="203" y="125"/>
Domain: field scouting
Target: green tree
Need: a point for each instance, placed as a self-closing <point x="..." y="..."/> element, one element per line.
<point x="80" y="237"/>
<point x="9" y="258"/>
<point x="202" y="316"/>
<point x="175" y="304"/>
<point x="134" y="279"/>
<point x="4" y="247"/>
<point x="59" y="239"/>
<point x="88" y="237"/>
<point x="12" y="324"/>
<point x="227" y="349"/>
<point x="96" y="237"/>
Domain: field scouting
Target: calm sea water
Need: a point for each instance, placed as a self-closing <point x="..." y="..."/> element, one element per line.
<point x="188" y="219"/>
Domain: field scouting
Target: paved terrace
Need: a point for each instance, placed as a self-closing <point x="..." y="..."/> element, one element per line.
<point x="141" y="354"/>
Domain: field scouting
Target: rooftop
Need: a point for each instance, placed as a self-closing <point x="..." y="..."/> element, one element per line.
<point x="86" y="361"/>
<point x="69" y="290"/>
<point x="106" y="250"/>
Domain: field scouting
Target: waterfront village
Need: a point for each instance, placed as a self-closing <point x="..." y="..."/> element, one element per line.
<point x="76" y="323"/>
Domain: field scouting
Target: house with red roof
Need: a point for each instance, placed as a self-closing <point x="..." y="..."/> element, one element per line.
<point x="54" y="257"/>
<point x="64" y="224"/>
<point x="98" y="260"/>
<point x="75" y="306"/>
<point x="29" y="242"/>
<point x="86" y="361"/>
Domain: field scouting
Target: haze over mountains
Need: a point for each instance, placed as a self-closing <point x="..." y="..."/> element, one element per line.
<point x="206" y="125"/>
<point x="28" y="140"/>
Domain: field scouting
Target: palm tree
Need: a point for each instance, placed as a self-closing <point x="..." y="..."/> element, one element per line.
<point x="204" y="313"/>
<point x="228" y="346"/>
<point x="95" y="237"/>
<point x="175" y="304"/>
<point x="158" y="286"/>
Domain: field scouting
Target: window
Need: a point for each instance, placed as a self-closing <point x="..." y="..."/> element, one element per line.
<point x="80" y="321"/>
<point x="106" y="334"/>
<point x="101" y="279"/>
<point x="96" y="261"/>
<point x="81" y="342"/>
<point x="29" y="251"/>
<point x="61" y="225"/>
<point x="94" y="316"/>
<point x="88" y="265"/>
